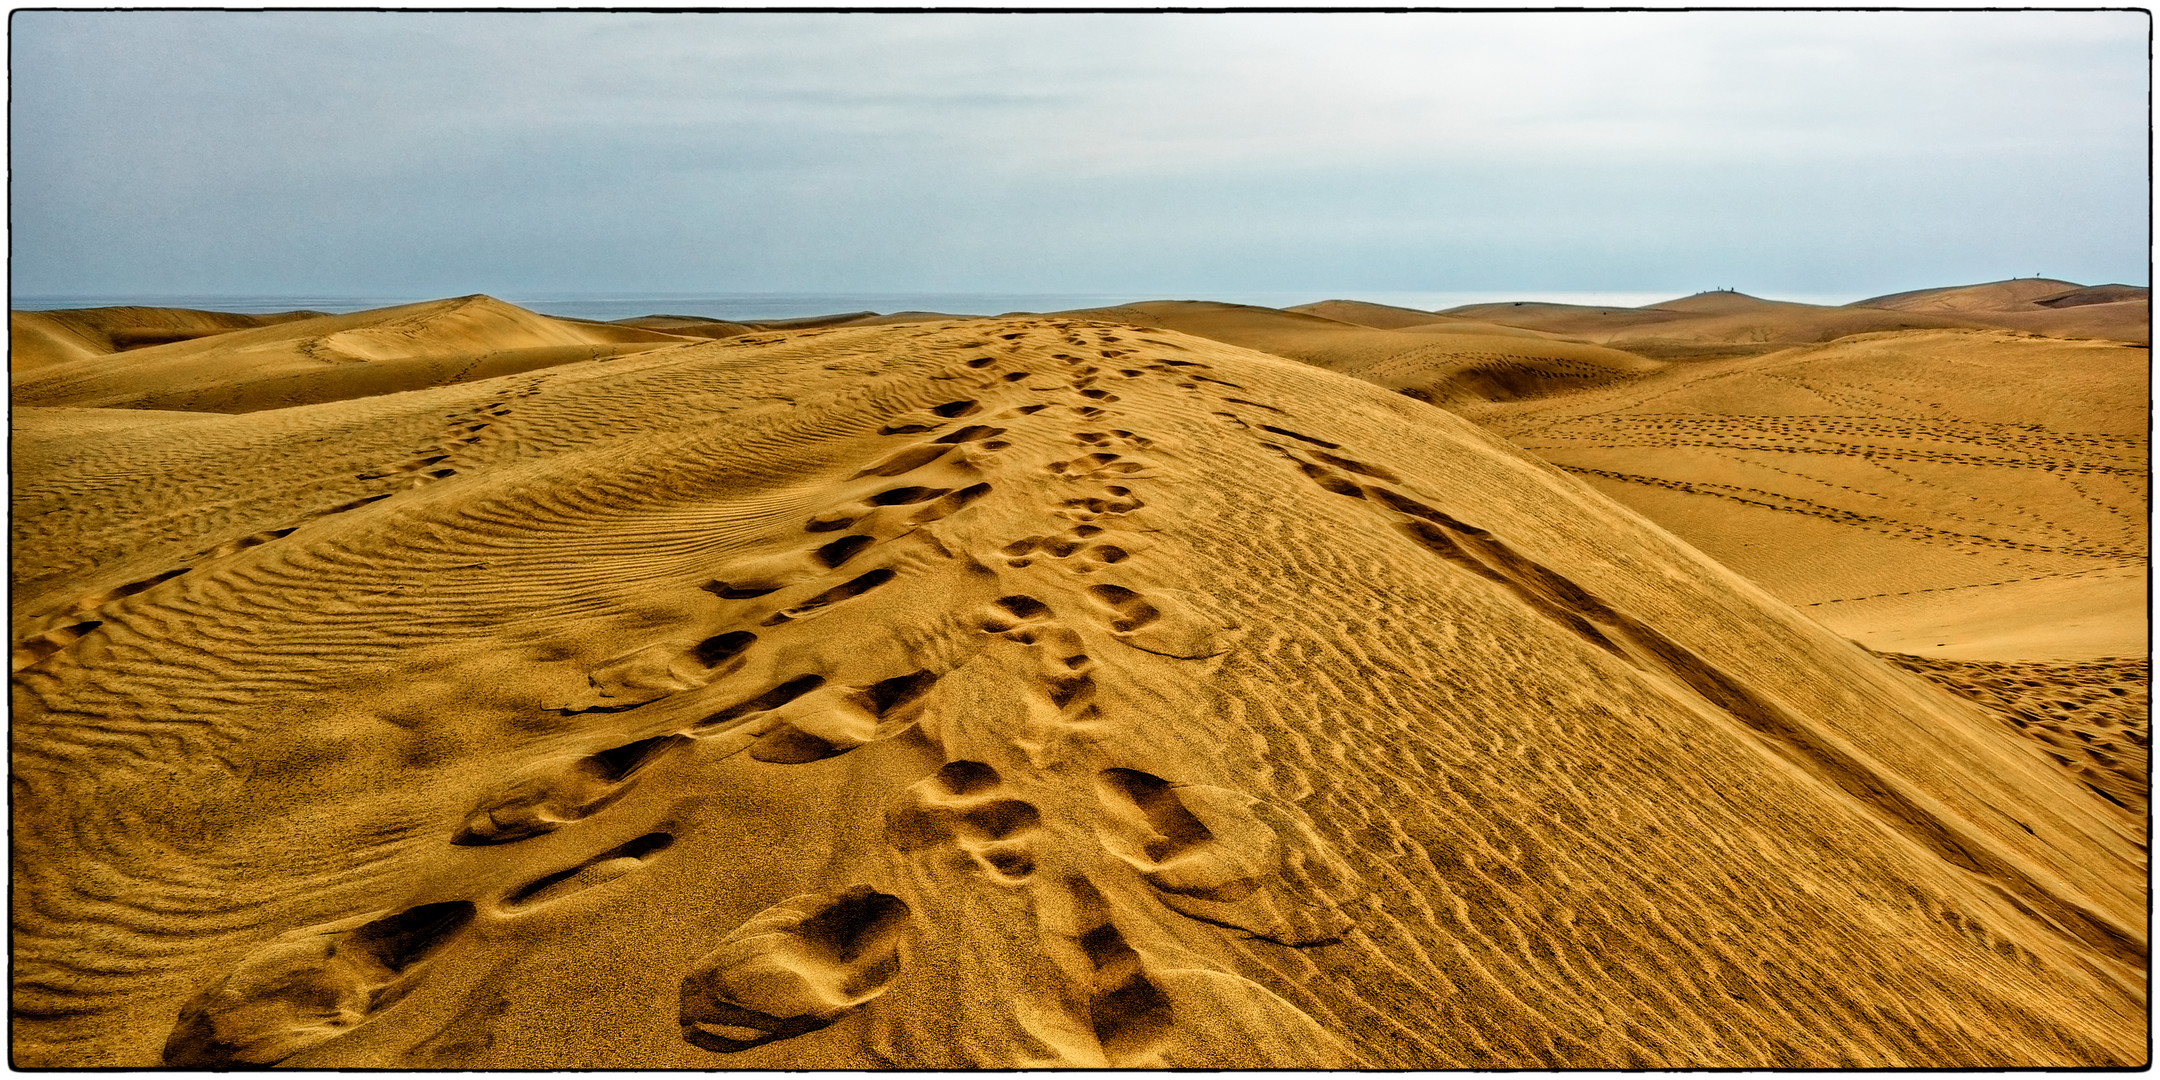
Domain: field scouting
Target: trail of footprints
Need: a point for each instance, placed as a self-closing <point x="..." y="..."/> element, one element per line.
<point x="809" y="960"/>
<point x="1579" y="612"/>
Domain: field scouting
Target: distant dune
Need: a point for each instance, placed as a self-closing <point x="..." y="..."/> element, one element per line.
<point x="38" y="338"/>
<point x="304" y="361"/>
<point x="1442" y="362"/>
<point x="1167" y="686"/>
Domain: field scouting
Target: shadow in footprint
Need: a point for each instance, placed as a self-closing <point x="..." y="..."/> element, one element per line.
<point x="831" y="722"/>
<point x="551" y="793"/>
<point x="960" y="805"/>
<point x="309" y="986"/>
<point x="1174" y="850"/>
<point x="1133" y="612"/>
<point x="794" y="968"/>
<point x="598" y="870"/>
<point x="1130" y="1014"/>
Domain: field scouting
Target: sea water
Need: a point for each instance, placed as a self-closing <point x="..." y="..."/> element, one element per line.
<point x="757" y="306"/>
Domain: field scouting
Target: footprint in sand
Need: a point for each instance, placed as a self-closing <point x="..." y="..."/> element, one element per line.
<point x="794" y="968"/>
<point x="1224" y="858"/>
<point x="1130" y="1015"/>
<point x="1016" y="617"/>
<point x="831" y="721"/>
<point x="553" y="792"/>
<point x="309" y="986"/>
<point x="598" y="870"/>
<point x="964" y="804"/>
<point x="1152" y="826"/>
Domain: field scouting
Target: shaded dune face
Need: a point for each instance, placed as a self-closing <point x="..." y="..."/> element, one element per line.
<point x="1003" y="693"/>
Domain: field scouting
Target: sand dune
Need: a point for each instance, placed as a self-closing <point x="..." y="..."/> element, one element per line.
<point x="38" y="338"/>
<point x="1709" y="325"/>
<point x="1720" y="324"/>
<point x="1045" y="692"/>
<point x="330" y="358"/>
<point x="1962" y="493"/>
<point x="2039" y="306"/>
<point x="1442" y="362"/>
<point x="1990" y="296"/>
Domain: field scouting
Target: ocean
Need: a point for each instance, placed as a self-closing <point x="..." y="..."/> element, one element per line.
<point x="755" y="306"/>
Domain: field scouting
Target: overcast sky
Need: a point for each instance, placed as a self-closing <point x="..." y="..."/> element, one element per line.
<point x="376" y="154"/>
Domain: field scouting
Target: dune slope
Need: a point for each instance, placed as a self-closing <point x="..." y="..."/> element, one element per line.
<point x="38" y="338"/>
<point x="1033" y="692"/>
<point x="330" y="358"/>
<point x="1971" y="493"/>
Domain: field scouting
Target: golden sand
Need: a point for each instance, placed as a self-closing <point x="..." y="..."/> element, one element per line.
<point x="1162" y="686"/>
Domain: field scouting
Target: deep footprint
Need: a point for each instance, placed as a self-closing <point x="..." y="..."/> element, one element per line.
<point x="309" y="986"/>
<point x="598" y="870"/>
<point x="794" y="968"/>
<point x="549" y="794"/>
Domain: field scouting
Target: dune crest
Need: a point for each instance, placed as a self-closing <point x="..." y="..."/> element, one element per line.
<point x="1029" y="692"/>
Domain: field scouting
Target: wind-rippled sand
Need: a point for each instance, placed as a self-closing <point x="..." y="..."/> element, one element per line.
<point x="1039" y="691"/>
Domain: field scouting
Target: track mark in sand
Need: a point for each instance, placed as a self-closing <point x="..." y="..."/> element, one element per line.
<point x="1223" y="858"/>
<point x="1327" y="479"/>
<point x="831" y="521"/>
<point x="906" y="461"/>
<point x="1015" y="617"/>
<point x="2090" y="717"/>
<point x="310" y="986"/>
<point x="1105" y="555"/>
<point x="1121" y="501"/>
<point x="845" y="591"/>
<point x="1322" y="443"/>
<point x="720" y="648"/>
<point x="1157" y="834"/>
<point x="1358" y="467"/>
<point x="1130" y="1015"/>
<point x="554" y="792"/>
<point x="356" y="504"/>
<point x="837" y="553"/>
<point x="964" y="805"/>
<point x="765" y="702"/>
<point x="1477" y="551"/>
<point x="234" y="547"/>
<point x="952" y="409"/>
<point x="974" y="433"/>
<point x="830" y="721"/>
<point x="949" y="504"/>
<point x="598" y="870"/>
<point x="746" y="591"/>
<point x="1129" y="610"/>
<point x="98" y="600"/>
<point x="905" y="496"/>
<point x="907" y="429"/>
<point x="794" y="968"/>
<point x="48" y="643"/>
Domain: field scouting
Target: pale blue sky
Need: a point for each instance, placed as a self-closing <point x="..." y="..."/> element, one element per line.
<point x="346" y="153"/>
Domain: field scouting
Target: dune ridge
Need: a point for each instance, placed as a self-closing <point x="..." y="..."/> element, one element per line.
<point x="1020" y="692"/>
